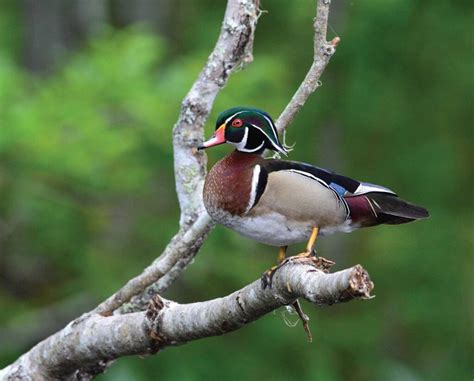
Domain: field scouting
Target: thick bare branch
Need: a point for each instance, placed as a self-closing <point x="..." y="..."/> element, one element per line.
<point x="94" y="339"/>
<point x="292" y="281"/>
<point x="233" y="49"/>
<point x="323" y="52"/>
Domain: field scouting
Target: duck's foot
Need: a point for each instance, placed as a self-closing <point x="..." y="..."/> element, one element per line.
<point x="320" y="263"/>
<point x="268" y="275"/>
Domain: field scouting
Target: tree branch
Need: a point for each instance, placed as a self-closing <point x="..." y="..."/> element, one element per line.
<point x="87" y="345"/>
<point x="323" y="51"/>
<point x="94" y="339"/>
<point x="233" y="50"/>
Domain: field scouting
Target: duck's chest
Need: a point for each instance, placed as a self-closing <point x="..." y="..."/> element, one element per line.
<point x="228" y="186"/>
<point x="227" y="197"/>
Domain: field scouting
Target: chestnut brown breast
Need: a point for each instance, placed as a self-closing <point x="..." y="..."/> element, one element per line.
<point x="228" y="183"/>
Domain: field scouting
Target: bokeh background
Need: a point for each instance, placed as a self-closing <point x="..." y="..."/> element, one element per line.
<point x="89" y="92"/>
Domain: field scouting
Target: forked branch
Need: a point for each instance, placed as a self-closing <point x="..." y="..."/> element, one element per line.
<point x="87" y="345"/>
<point x="233" y="50"/>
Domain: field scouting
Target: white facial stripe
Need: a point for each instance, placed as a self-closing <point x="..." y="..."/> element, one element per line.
<point x="271" y="125"/>
<point x="241" y="145"/>
<point x="253" y="189"/>
<point x="230" y="117"/>
<point x="271" y="141"/>
<point x="274" y="130"/>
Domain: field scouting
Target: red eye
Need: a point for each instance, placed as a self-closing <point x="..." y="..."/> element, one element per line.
<point x="237" y="123"/>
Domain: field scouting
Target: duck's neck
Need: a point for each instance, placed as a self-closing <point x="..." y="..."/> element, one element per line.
<point x="229" y="182"/>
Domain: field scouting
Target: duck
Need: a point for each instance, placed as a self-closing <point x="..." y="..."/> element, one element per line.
<point x="281" y="202"/>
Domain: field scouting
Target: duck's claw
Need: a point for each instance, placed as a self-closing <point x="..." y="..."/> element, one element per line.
<point x="267" y="277"/>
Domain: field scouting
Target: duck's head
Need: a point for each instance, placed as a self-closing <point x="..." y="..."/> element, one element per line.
<point x="248" y="129"/>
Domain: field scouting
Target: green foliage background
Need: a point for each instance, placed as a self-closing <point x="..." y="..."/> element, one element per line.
<point x="87" y="191"/>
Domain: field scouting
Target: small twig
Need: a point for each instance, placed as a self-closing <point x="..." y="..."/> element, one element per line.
<point x="304" y="319"/>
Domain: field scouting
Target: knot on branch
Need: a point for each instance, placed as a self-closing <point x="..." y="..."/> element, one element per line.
<point x="328" y="49"/>
<point x="155" y="306"/>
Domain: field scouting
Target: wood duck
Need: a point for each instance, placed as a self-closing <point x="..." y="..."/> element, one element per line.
<point x="281" y="202"/>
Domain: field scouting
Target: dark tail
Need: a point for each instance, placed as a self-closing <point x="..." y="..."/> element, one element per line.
<point x="383" y="208"/>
